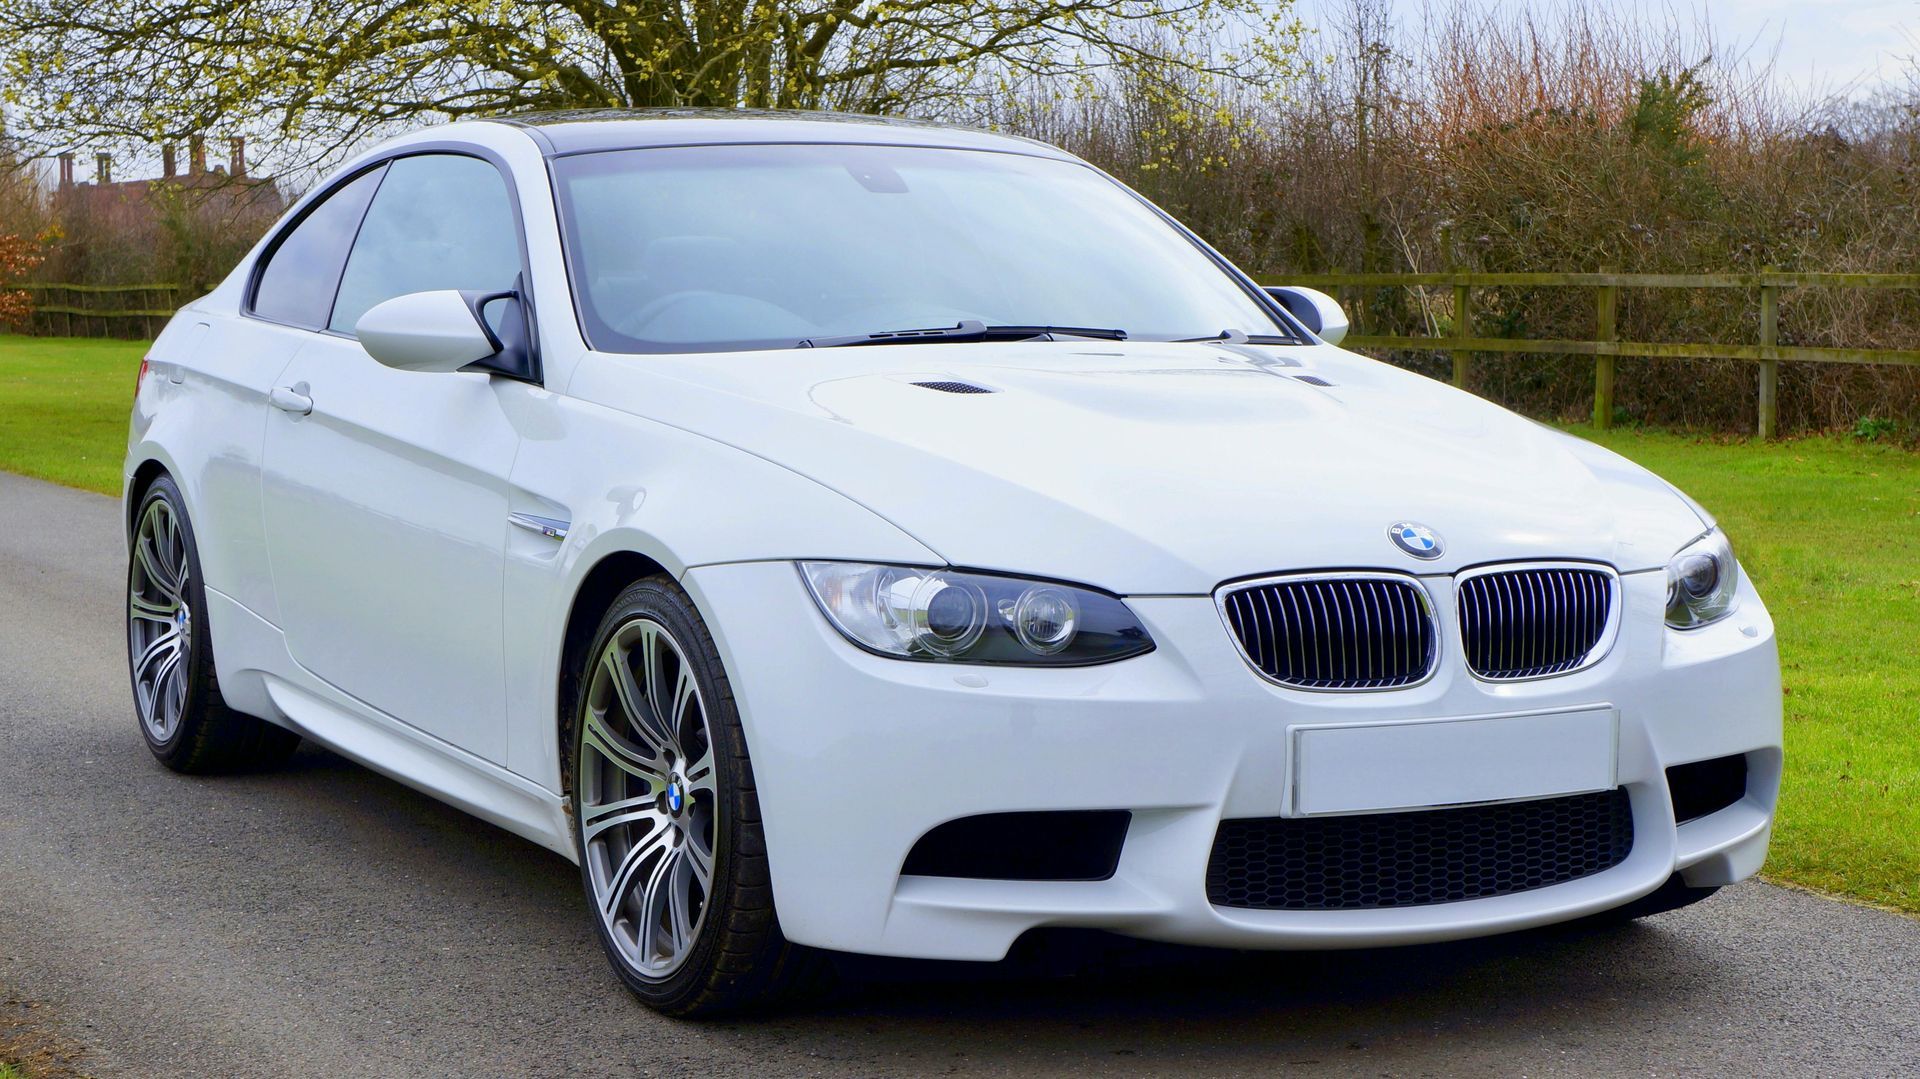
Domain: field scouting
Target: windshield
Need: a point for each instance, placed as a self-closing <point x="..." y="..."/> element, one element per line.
<point x="714" y="248"/>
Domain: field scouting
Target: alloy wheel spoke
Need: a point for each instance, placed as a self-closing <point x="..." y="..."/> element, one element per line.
<point x="175" y="550"/>
<point x="679" y="886"/>
<point x="597" y="819"/>
<point x="685" y="694"/>
<point x="148" y="700"/>
<point x="699" y="860"/>
<point x="175" y="679"/>
<point x="151" y="610"/>
<point x="700" y="775"/>
<point x="662" y="720"/>
<point x="154" y="567"/>
<point x="633" y="703"/>
<point x="159" y="648"/>
<point x="621" y="880"/>
<point x="654" y="900"/>
<point x="158" y="706"/>
<point x="622" y="753"/>
<point x="163" y="674"/>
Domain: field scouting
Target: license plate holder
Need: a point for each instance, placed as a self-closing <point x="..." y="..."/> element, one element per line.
<point x="1429" y="763"/>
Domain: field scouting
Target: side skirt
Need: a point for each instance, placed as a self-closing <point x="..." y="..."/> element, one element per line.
<point x="260" y="677"/>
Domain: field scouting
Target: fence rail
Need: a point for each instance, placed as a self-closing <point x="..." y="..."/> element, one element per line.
<point x="1605" y="345"/>
<point x="101" y="310"/>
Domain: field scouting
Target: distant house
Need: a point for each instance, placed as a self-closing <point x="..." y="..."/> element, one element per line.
<point x="229" y="185"/>
<point x="108" y="221"/>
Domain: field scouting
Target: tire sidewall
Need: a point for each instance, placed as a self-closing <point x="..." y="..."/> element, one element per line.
<point x="664" y="604"/>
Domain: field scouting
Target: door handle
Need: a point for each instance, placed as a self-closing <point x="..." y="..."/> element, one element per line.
<point x="292" y="399"/>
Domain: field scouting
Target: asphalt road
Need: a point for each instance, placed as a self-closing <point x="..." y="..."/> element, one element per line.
<point x="326" y="920"/>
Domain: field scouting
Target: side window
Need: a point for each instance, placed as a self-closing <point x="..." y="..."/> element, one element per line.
<point x="297" y="284"/>
<point x="440" y="221"/>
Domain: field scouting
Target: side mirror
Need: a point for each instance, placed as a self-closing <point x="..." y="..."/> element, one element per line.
<point x="426" y="331"/>
<point x="1320" y="312"/>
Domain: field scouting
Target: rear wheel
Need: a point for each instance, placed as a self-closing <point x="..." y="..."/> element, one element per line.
<point x="186" y="723"/>
<point x="666" y="820"/>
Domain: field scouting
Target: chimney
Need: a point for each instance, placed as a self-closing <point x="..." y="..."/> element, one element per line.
<point x="236" y="157"/>
<point x="196" y="155"/>
<point x="168" y="166"/>
<point x="103" y="168"/>
<point x="66" y="170"/>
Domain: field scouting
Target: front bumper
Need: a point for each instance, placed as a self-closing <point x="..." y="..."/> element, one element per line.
<point x="856" y="757"/>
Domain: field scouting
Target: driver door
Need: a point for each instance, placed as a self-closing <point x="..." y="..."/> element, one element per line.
<point x="385" y="490"/>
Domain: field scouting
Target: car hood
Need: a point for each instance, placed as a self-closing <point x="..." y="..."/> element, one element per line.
<point x="1150" y="468"/>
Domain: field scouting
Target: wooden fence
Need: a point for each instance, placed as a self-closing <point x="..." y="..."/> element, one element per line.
<point x="1605" y="345"/>
<point x="130" y="310"/>
<point x="102" y="310"/>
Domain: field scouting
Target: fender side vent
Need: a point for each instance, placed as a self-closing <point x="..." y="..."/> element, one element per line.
<point x="954" y="387"/>
<point x="1312" y="380"/>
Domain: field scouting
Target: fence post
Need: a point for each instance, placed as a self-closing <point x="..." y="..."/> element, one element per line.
<point x="1769" y="367"/>
<point x="1462" y="328"/>
<point x="1606" y="328"/>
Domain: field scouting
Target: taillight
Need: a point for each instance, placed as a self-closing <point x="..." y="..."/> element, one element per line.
<point x="140" y="379"/>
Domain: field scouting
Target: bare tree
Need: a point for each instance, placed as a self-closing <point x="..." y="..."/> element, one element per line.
<point x="324" y="75"/>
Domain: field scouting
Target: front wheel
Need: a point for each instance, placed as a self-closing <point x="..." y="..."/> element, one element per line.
<point x="666" y="821"/>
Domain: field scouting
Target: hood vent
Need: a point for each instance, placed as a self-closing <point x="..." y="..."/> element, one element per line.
<point x="1311" y="380"/>
<point x="954" y="387"/>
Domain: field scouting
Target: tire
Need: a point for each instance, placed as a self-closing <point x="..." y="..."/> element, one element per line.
<point x="176" y="694"/>
<point x="673" y="860"/>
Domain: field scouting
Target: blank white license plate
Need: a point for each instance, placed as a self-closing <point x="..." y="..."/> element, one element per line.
<point x="1441" y="762"/>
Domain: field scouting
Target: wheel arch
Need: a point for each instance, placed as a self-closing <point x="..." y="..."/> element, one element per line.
<point x="137" y="483"/>
<point x="596" y="592"/>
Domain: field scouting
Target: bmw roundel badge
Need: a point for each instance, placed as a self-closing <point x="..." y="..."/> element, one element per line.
<point x="1416" y="539"/>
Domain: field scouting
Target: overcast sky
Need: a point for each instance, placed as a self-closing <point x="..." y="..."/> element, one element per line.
<point x="1831" y="46"/>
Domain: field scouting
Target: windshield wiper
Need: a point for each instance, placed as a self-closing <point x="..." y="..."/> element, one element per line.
<point x="964" y="330"/>
<point x="1239" y="337"/>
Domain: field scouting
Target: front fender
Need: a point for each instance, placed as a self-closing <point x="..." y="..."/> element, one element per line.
<point x="627" y="486"/>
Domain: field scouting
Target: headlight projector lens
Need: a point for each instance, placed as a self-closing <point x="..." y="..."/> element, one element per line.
<point x="1045" y="620"/>
<point x="951" y="616"/>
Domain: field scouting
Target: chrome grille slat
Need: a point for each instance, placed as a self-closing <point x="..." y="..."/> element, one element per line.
<point x="1533" y="622"/>
<point x="1335" y="631"/>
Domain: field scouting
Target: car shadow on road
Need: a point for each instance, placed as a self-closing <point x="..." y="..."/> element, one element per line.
<point x="1085" y="1001"/>
<point x="1075" y="974"/>
<point x="1064" y="996"/>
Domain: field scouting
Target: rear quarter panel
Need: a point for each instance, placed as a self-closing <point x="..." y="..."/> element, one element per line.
<point x="201" y="414"/>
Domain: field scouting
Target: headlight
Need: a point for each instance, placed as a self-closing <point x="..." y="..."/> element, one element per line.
<point x="1701" y="582"/>
<point x="941" y="614"/>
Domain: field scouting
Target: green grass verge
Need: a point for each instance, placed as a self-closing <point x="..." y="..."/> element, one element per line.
<point x="1828" y="527"/>
<point x="63" y="408"/>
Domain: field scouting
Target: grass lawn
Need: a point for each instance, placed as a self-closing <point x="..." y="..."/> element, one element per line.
<point x="1828" y="527"/>
<point x="63" y="408"/>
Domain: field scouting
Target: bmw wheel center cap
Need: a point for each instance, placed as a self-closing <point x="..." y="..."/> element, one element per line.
<point x="1416" y="539"/>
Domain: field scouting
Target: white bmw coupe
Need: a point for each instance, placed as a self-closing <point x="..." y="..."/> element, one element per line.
<point x="844" y="534"/>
